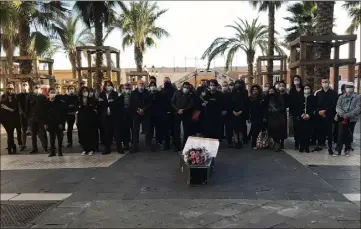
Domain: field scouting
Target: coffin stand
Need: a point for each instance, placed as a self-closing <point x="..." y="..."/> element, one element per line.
<point x="195" y="175"/>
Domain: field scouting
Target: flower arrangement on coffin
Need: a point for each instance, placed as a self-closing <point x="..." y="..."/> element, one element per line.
<point x="196" y="156"/>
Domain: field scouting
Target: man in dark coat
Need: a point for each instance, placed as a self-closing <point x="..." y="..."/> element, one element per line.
<point x="71" y="100"/>
<point x="214" y="108"/>
<point x="167" y="93"/>
<point x="54" y="119"/>
<point x="23" y="116"/>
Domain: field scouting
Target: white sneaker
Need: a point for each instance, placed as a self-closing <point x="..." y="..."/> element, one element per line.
<point x="91" y="153"/>
<point x="83" y="153"/>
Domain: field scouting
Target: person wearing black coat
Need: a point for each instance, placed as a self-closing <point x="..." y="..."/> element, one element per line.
<point x="256" y="106"/>
<point x="296" y="97"/>
<point x="54" y="118"/>
<point x="21" y="97"/>
<point x="86" y="121"/>
<point x="305" y="115"/>
<point x="34" y="108"/>
<point x="182" y="103"/>
<point x="140" y="102"/>
<point x="71" y="100"/>
<point x="155" y="116"/>
<point x="227" y="113"/>
<point x="214" y="107"/>
<point x="286" y="99"/>
<point x="238" y="106"/>
<point x="126" y="124"/>
<point x="167" y="93"/>
<point x="326" y="100"/>
<point x="10" y="118"/>
<point x="108" y="108"/>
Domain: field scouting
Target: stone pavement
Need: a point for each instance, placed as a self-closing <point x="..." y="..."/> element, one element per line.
<point x="250" y="188"/>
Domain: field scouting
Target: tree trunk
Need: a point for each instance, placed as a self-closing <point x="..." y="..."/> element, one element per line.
<point x="24" y="36"/>
<point x="98" y="24"/>
<point x="72" y="59"/>
<point x="271" y="40"/>
<point x="138" y="57"/>
<point x="310" y="71"/>
<point x="250" y="60"/>
<point x="324" y="26"/>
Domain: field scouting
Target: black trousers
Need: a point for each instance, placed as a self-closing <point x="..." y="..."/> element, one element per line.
<point x="126" y="129"/>
<point x="226" y="127"/>
<point x="87" y="138"/>
<point x="110" y="132"/>
<point x="38" y="130"/>
<point x="212" y="128"/>
<point x="345" y="135"/>
<point x="185" y="119"/>
<point x="24" y="129"/>
<point x="154" y="126"/>
<point x="167" y="127"/>
<point x="305" y="132"/>
<point x="256" y="128"/>
<point x="296" y="130"/>
<point x="55" y="133"/>
<point x="324" y="131"/>
<point x="9" y="128"/>
<point x="70" y="120"/>
<point x="137" y="120"/>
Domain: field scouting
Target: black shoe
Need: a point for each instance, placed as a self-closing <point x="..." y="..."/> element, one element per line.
<point x="307" y="150"/>
<point x="105" y="152"/>
<point x="33" y="151"/>
<point x="301" y="151"/>
<point x="22" y="148"/>
<point x="282" y="146"/>
<point x="120" y="150"/>
<point x="297" y="147"/>
<point x="330" y="151"/>
<point x="126" y="147"/>
<point x="69" y="145"/>
<point x="166" y="146"/>
<point x="318" y="148"/>
<point x="134" y="148"/>
<point x="177" y="149"/>
<point x="52" y="154"/>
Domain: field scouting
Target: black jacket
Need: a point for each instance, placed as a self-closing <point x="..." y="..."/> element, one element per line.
<point x="158" y="103"/>
<point x="308" y="106"/>
<point x="6" y="116"/>
<point x="21" y="97"/>
<point x="71" y="101"/>
<point x="183" y="101"/>
<point x="87" y="114"/>
<point x="167" y="94"/>
<point x="327" y="100"/>
<point x="295" y="101"/>
<point x="256" y="109"/>
<point x="105" y="103"/>
<point x="35" y="105"/>
<point x="140" y="101"/>
<point x="214" y="105"/>
<point x="54" y="113"/>
<point x="227" y="102"/>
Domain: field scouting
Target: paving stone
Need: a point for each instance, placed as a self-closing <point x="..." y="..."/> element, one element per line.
<point x="338" y="197"/>
<point x="294" y="196"/>
<point x="250" y="195"/>
<point x="350" y="223"/>
<point x="323" y="196"/>
<point x="60" y="216"/>
<point x="308" y="197"/>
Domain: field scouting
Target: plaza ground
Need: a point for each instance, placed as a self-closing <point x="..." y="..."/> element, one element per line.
<point x="250" y="188"/>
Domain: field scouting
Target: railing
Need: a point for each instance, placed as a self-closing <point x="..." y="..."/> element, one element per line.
<point x="180" y="81"/>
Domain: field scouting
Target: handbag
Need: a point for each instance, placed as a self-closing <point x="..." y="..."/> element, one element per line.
<point x="262" y="140"/>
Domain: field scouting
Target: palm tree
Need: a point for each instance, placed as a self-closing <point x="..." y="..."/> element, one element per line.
<point x="271" y="7"/>
<point x="67" y="38"/>
<point x="301" y="20"/>
<point x="324" y="26"/>
<point x="97" y="14"/>
<point x="38" y="14"/>
<point x="248" y="37"/>
<point x="138" y="25"/>
<point x="354" y="12"/>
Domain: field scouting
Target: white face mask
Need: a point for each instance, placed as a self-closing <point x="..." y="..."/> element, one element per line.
<point x="52" y="95"/>
<point x="296" y="82"/>
<point x="224" y="89"/>
<point x="127" y="91"/>
<point x="141" y="88"/>
<point x="57" y="90"/>
<point x="231" y="87"/>
<point x="109" y="88"/>
<point x="70" y="92"/>
<point x="37" y="91"/>
<point x="325" y="85"/>
<point x="185" y="90"/>
<point x="281" y="88"/>
<point x="307" y="91"/>
<point x="277" y="86"/>
<point x="91" y="94"/>
<point x="25" y="88"/>
<point x="203" y="93"/>
<point x="265" y="89"/>
<point x="85" y="94"/>
<point x="152" y="88"/>
<point x="349" y="89"/>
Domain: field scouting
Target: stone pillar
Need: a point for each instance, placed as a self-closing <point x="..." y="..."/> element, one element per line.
<point x="90" y="73"/>
<point x="336" y="71"/>
<point x="301" y="68"/>
<point x="351" y="55"/>
<point x="109" y="65"/>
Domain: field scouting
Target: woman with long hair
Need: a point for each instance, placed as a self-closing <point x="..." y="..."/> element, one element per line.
<point x="239" y="112"/>
<point x="255" y="112"/>
<point x="295" y="104"/>
<point x="86" y="122"/>
<point x="274" y="116"/>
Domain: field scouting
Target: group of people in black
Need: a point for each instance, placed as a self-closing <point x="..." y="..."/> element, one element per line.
<point x="165" y="113"/>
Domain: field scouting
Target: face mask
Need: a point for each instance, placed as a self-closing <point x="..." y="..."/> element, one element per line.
<point x="91" y="94"/>
<point x="109" y="88"/>
<point x="237" y="85"/>
<point x="231" y="87"/>
<point x="296" y="82"/>
<point x="152" y="88"/>
<point x="37" y="91"/>
<point x="281" y="88"/>
<point x="140" y="88"/>
<point x="349" y="90"/>
<point x="277" y="86"/>
<point x="265" y="89"/>
<point x="185" y="90"/>
<point x="52" y="95"/>
<point x="213" y="88"/>
<point x="71" y="91"/>
<point x="325" y="85"/>
<point x="224" y="89"/>
<point x="85" y="94"/>
<point x="307" y="91"/>
<point x="203" y="93"/>
<point x="25" y="88"/>
<point x="127" y="91"/>
<point x="57" y="91"/>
